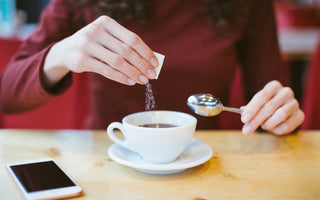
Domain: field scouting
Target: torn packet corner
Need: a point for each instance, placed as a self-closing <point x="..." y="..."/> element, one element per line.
<point x="160" y="58"/>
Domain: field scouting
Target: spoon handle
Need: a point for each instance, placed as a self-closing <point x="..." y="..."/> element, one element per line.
<point x="235" y="110"/>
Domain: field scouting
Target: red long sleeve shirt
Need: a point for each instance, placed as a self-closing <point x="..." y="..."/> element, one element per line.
<point x="198" y="60"/>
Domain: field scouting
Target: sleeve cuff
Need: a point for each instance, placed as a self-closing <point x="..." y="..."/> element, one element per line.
<point x="62" y="86"/>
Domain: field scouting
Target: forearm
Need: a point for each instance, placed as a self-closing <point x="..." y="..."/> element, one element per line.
<point x="24" y="86"/>
<point x="21" y="87"/>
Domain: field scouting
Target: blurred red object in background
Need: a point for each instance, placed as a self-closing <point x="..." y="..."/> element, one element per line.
<point x="292" y="15"/>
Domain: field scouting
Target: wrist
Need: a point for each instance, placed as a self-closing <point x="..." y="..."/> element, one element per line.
<point x="54" y="68"/>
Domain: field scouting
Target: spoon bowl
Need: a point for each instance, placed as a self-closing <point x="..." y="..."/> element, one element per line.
<point x="208" y="105"/>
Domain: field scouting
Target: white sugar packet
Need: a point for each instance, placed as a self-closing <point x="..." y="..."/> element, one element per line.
<point x="160" y="58"/>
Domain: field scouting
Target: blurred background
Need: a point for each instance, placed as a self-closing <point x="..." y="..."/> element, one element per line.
<point x="298" y="23"/>
<point x="19" y="17"/>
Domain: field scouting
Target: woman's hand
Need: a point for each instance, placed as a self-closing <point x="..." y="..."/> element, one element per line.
<point x="104" y="47"/>
<point x="274" y="108"/>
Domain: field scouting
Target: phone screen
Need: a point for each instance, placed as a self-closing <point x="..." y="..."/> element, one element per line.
<point x="41" y="176"/>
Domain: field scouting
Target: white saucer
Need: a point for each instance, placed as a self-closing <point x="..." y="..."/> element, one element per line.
<point x="196" y="153"/>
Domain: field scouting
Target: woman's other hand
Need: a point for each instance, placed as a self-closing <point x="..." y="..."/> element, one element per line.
<point x="104" y="47"/>
<point x="274" y="108"/>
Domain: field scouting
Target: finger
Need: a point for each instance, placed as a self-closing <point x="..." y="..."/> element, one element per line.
<point x="117" y="62"/>
<point x="290" y="124"/>
<point x="128" y="37"/>
<point x="272" y="106"/>
<point x="281" y="115"/>
<point x="269" y="109"/>
<point x="258" y="100"/>
<point x="107" y="71"/>
<point x="128" y="53"/>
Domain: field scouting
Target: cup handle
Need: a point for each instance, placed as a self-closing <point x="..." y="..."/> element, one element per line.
<point x="116" y="139"/>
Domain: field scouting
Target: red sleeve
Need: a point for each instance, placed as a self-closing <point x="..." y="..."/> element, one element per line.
<point x="21" y="87"/>
<point x="258" y="50"/>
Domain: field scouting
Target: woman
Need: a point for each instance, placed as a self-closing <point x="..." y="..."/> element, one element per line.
<point x="115" y="40"/>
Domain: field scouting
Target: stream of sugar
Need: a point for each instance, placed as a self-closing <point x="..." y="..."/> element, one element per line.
<point x="150" y="100"/>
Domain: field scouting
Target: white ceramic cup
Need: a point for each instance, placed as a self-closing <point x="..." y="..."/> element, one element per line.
<point x="155" y="145"/>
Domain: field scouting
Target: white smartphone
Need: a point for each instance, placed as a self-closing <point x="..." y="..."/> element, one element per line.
<point x="43" y="179"/>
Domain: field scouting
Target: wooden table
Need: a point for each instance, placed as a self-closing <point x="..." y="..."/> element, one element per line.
<point x="259" y="166"/>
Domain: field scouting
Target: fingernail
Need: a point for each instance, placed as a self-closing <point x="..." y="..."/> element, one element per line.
<point x="282" y="128"/>
<point x="143" y="79"/>
<point x="246" y="130"/>
<point x="151" y="74"/>
<point x="246" y="118"/>
<point x="130" y="81"/>
<point x="154" y="62"/>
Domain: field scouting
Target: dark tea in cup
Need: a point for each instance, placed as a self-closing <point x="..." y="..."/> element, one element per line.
<point x="157" y="125"/>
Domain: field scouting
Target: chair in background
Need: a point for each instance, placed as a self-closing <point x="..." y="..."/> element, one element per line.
<point x="68" y="111"/>
<point x="311" y="93"/>
<point x="298" y="26"/>
<point x="295" y="15"/>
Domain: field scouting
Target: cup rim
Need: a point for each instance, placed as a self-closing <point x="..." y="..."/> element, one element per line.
<point x="191" y="117"/>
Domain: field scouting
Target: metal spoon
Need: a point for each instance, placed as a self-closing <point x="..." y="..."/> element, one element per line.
<point x="208" y="105"/>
